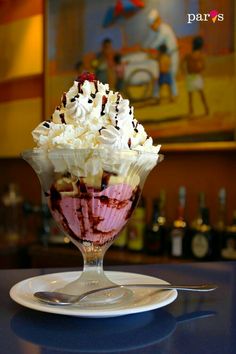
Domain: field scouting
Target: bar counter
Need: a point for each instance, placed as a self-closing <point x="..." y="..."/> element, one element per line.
<point x="193" y="323"/>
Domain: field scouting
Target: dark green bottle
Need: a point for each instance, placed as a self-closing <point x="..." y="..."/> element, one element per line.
<point x="203" y="242"/>
<point x="228" y="250"/>
<point x="156" y="234"/>
<point x="201" y="204"/>
<point x="179" y="231"/>
<point x="220" y="225"/>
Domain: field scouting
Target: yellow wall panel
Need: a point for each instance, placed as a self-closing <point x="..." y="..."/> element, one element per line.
<point x="18" y="119"/>
<point x="21" y="48"/>
<point x="55" y="86"/>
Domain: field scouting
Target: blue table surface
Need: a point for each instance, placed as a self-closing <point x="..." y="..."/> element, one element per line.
<point x="194" y="323"/>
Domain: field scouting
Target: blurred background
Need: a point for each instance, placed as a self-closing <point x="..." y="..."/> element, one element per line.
<point x="46" y="44"/>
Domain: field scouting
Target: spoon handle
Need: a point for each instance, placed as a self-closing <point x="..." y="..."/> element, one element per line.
<point x="200" y="287"/>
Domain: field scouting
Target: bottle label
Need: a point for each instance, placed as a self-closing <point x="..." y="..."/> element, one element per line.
<point x="177" y="243"/>
<point x="200" y="245"/>
<point x="231" y="244"/>
<point x="229" y="252"/>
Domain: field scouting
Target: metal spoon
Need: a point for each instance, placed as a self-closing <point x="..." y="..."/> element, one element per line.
<point x="57" y="298"/>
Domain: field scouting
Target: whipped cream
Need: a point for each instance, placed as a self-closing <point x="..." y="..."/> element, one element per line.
<point x="92" y="116"/>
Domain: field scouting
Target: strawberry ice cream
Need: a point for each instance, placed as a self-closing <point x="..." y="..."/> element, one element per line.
<point x="92" y="215"/>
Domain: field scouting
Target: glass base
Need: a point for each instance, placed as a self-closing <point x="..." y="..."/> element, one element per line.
<point x="91" y="280"/>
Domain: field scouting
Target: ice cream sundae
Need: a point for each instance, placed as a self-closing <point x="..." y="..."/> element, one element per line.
<point x="98" y="187"/>
<point x="92" y="158"/>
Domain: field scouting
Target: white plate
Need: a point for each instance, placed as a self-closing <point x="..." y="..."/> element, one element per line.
<point x="143" y="299"/>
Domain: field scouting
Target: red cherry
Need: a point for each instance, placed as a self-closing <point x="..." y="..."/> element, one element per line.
<point x="86" y="76"/>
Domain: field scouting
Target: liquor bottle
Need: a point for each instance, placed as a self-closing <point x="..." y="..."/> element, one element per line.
<point x="229" y="246"/>
<point x="201" y="204"/>
<point x="178" y="234"/>
<point x="13" y="221"/>
<point x="220" y="226"/>
<point x="203" y="238"/>
<point x="156" y="234"/>
<point x="136" y="228"/>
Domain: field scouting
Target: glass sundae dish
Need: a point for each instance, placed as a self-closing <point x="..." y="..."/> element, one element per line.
<point x="92" y="159"/>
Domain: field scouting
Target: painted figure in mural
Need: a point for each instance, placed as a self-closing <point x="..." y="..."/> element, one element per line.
<point x="104" y="66"/>
<point x="164" y="34"/>
<point x="119" y="72"/>
<point x="195" y="65"/>
<point x="165" y="76"/>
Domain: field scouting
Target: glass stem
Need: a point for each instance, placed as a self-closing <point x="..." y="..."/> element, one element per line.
<point x="93" y="259"/>
<point x="93" y="274"/>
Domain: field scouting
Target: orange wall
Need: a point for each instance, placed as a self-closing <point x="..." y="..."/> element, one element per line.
<point x="21" y="33"/>
<point x="13" y="10"/>
<point x="21" y="73"/>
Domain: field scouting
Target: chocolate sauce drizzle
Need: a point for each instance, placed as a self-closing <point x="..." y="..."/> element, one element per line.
<point x="134" y="199"/>
<point x="118" y="99"/>
<point x="104" y="101"/>
<point x="116" y="126"/>
<point x="117" y="111"/>
<point x="112" y="203"/>
<point x="101" y="129"/>
<point x="96" y="87"/>
<point x="55" y="197"/>
<point x="54" y="200"/>
<point x="62" y="116"/>
<point x="136" y="128"/>
<point x="105" y="179"/>
<point x="64" y="100"/>
<point x="80" y="87"/>
<point x="46" y="124"/>
<point x="81" y="185"/>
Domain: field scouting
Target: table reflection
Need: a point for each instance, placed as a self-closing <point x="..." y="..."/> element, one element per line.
<point x="110" y="335"/>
